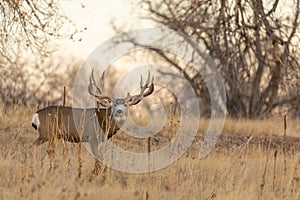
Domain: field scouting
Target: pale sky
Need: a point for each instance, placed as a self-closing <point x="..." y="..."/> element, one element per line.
<point x="96" y="16"/>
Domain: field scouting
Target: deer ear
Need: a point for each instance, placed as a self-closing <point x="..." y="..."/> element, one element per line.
<point x="106" y="103"/>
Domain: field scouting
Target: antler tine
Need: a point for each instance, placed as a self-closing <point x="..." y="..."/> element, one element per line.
<point x="148" y="78"/>
<point x="144" y="87"/>
<point x="93" y="83"/>
<point x="99" y="89"/>
<point x="141" y="82"/>
<point x="101" y="81"/>
<point x="148" y="85"/>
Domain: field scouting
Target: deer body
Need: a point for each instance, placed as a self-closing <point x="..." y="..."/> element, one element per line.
<point x="91" y="125"/>
<point x="57" y="122"/>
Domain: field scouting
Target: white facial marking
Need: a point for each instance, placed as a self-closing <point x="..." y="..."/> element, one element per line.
<point x="120" y="110"/>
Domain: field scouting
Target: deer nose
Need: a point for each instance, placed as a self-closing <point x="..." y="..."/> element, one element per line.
<point x="120" y="112"/>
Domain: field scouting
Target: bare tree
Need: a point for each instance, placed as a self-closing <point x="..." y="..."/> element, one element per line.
<point x="31" y="25"/>
<point x="29" y="75"/>
<point x="253" y="43"/>
<point x="41" y="84"/>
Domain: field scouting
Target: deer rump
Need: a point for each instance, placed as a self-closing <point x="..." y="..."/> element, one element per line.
<point x="74" y="124"/>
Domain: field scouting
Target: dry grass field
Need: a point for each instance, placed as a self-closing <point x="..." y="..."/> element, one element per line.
<point x="252" y="160"/>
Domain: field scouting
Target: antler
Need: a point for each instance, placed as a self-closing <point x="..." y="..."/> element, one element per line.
<point x="101" y="99"/>
<point x="146" y="90"/>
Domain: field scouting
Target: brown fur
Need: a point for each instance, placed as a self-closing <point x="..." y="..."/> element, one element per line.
<point x="57" y="122"/>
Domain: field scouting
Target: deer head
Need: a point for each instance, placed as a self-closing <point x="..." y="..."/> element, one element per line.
<point x="119" y="106"/>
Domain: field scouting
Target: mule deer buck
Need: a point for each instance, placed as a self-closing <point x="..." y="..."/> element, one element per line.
<point x="58" y="122"/>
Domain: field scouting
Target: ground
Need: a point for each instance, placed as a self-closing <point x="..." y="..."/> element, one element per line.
<point x="252" y="160"/>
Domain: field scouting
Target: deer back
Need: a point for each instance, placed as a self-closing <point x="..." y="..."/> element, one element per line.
<point x="74" y="124"/>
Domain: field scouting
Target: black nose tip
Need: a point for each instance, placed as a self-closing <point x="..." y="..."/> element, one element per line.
<point x="119" y="112"/>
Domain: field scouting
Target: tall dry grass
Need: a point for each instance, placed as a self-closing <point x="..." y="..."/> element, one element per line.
<point x="245" y="173"/>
